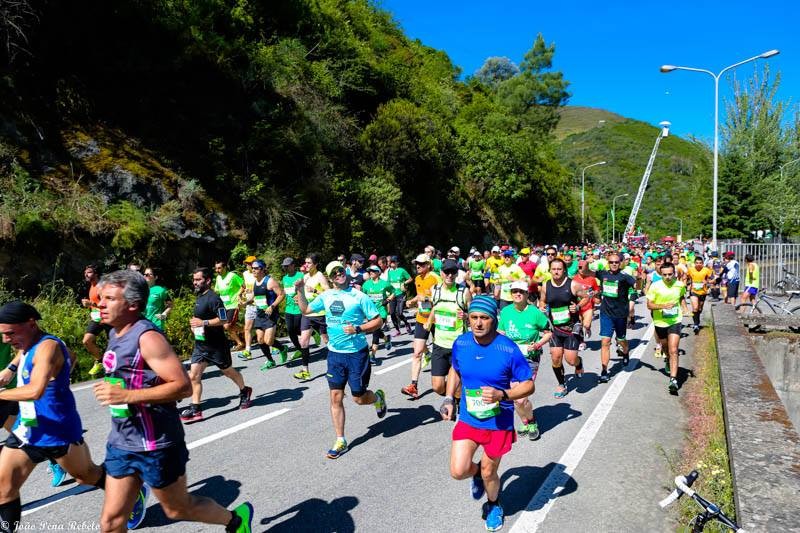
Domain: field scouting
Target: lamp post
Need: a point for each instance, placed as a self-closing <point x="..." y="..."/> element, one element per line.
<point x="614" y="216"/>
<point x="583" y="196"/>
<point x="606" y="227"/>
<point x="787" y="164"/>
<point x="680" y="230"/>
<point x="670" y="68"/>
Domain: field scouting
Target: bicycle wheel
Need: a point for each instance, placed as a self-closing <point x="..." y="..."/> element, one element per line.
<point x="750" y="309"/>
<point x="779" y="289"/>
<point x="795" y="312"/>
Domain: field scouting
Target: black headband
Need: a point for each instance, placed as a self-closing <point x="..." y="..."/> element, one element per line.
<point x="17" y="312"/>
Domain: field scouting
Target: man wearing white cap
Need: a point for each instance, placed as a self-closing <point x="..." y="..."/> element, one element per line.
<point x="425" y="281"/>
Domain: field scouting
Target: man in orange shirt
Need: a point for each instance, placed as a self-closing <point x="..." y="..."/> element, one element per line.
<point x="94" y="328"/>
<point x="699" y="278"/>
<point x="424" y="282"/>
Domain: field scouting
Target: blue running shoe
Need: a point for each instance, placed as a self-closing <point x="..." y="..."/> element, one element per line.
<point x="58" y="474"/>
<point x="139" y="508"/>
<point x="339" y="448"/>
<point x="494" y="516"/>
<point x="477" y="487"/>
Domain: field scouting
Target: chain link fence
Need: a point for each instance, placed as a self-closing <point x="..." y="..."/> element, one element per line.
<point x="773" y="260"/>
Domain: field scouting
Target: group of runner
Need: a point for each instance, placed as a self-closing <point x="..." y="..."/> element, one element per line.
<point x="487" y="317"/>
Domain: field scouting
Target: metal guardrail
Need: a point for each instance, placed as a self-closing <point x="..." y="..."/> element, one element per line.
<point x="771" y="258"/>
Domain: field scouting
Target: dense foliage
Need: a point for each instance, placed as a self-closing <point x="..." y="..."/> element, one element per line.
<point x="193" y="125"/>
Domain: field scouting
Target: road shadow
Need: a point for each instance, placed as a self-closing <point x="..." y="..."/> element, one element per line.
<point x="550" y="416"/>
<point x="221" y="490"/>
<point x="404" y="419"/>
<point x="315" y="515"/>
<point x="521" y="484"/>
<point x="278" y="396"/>
<point x="208" y="374"/>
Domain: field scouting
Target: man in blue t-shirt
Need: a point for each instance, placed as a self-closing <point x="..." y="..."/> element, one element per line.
<point x="484" y="365"/>
<point x="349" y="316"/>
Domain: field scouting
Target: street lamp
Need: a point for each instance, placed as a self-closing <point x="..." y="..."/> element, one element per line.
<point x="670" y="68"/>
<point x="680" y="230"/>
<point x="614" y="215"/>
<point x="787" y="164"/>
<point x="583" y="196"/>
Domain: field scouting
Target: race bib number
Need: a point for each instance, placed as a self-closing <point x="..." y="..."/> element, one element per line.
<point x="199" y="333"/>
<point x="698" y="285"/>
<point x="376" y="297"/>
<point x="290" y="290"/>
<point x="27" y="414"/>
<point x="671" y="312"/>
<point x="611" y="288"/>
<point x="398" y="286"/>
<point x="94" y="314"/>
<point x="425" y="307"/>
<point x="445" y="320"/>
<point x="478" y="408"/>
<point x="261" y="301"/>
<point x="560" y="315"/>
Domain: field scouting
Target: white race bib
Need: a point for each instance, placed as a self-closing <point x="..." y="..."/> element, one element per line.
<point x="671" y="312"/>
<point x="94" y="314"/>
<point x="560" y="315"/>
<point x="478" y="408"/>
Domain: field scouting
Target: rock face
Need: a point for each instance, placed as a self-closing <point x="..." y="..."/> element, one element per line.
<point x="120" y="184"/>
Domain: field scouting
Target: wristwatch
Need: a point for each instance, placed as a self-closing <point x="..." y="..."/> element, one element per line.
<point x="505" y="394"/>
<point x="358" y="329"/>
<point x="12" y="367"/>
<point x="205" y="323"/>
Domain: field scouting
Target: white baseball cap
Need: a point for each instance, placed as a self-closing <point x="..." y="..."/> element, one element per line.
<point x="422" y="258"/>
<point x="495" y="248"/>
<point x="522" y="285"/>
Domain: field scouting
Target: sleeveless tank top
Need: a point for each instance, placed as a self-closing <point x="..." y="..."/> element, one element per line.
<point x="558" y="300"/>
<point x="149" y="426"/>
<point x="262" y="296"/>
<point x="53" y="419"/>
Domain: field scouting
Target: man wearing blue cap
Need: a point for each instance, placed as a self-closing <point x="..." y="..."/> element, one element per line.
<point x="484" y="366"/>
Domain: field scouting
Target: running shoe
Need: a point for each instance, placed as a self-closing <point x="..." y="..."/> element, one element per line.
<point x="494" y="516"/>
<point x="388" y="344"/>
<point x="696" y="329"/>
<point x="533" y="431"/>
<point x="266" y="366"/>
<point x="666" y="365"/>
<point x="58" y="474"/>
<point x="522" y="430"/>
<point x="410" y="390"/>
<point x="560" y="391"/>
<point x="302" y="375"/>
<point x="380" y="403"/>
<point x="281" y="354"/>
<point x="604" y="377"/>
<point x="97" y="369"/>
<point x="245" y="513"/>
<point x="190" y="414"/>
<point x="373" y="360"/>
<point x="245" y="354"/>
<point x="139" y="508"/>
<point x="625" y="358"/>
<point x="244" y="397"/>
<point x="673" y="386"/>
<point x="339" y="448"/>
<point x="476" y="486"/>
<point x="657" y="353"/>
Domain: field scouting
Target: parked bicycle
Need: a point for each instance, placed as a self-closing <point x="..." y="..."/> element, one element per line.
<point x="764" y="304"/>
<point x="710" y="512"/>
<point x="790" y="282"/>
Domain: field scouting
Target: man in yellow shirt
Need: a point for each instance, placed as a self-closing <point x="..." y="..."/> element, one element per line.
<point x="424" y="282"/>
<point x="507" y="273"/>
<point x="699" y="278"/>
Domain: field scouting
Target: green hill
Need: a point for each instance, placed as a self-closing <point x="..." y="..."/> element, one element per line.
<point x="679" y="186"/>
<point x="577" y="119"/>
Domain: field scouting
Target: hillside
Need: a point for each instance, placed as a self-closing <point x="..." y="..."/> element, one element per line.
<point x="577" y="119"/>
<point x="679" y="186"/>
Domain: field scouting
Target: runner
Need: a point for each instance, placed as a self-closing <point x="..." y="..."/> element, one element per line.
<point x="355" y="272"/>
<point x="572" y="265"/>
<point x="666" y="299"/>
<point x="476" y="265"/>
<point x="542" y="273"/>
<point x="588" y="282"/>
<point x="267" y="297"/>
<point x="349" y="315"/>
<point x="399" y="278"/>
<point x="210" y="345"/>
<point x="700" y="277"/>
<point x="48" y="426"/>
<point x="250" y="310"/>
<point x="450" y="303"/>
<point x="159" y="303"/>
<point x="507" y="273"/>
<point x="528" y="327"/>
<point x="314" y="283"/>
<point x="752" y="279"/>
<point x="228" y="285"/>
<point x="94" y="328"/>
<point x="381" y="293"/>
<point x="484" y="366"/>
<point x="731" y="277"/>
<point x="292" y="315"/>
<point x="562" y="298"/>
<point x="146" y="447"/>
<point x="425" y="281"/>
<point x="615" y="286"/>
<point x="631" y="268"/>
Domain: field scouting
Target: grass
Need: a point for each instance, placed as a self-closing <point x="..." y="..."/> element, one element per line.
<point x="706" y="447"/>
<point x="577" y="119"/>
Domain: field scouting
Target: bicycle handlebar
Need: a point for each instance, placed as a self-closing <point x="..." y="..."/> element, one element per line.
<point x="684" y="486"/>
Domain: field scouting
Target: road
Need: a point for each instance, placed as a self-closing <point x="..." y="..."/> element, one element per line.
<point x="601" y="461"/>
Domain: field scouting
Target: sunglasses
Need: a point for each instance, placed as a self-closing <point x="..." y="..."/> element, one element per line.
<point x="518" y="291"/>
<point x="550" y="253"/>
<point x="148" y="274"/>
<point x="257" y="268"/>
<point x="449" y="272"/>
<point x="336" y="272"/>
<point x="613" y="262"/>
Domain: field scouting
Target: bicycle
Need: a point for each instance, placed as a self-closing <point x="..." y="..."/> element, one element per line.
<point x="790" y="281"/>
<point x="764" y="302"/>
<point x="710" y="512"/>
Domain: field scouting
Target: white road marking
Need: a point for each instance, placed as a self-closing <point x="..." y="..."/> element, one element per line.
<point x="534" y="514"/>
<point x="192" y="445"/>
<point x="396" y="365"/>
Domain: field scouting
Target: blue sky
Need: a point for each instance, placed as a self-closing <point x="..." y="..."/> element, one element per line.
<point x="611" y="51"/>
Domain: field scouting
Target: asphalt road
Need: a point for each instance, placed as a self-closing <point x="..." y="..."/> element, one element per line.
<point x="602" y="460"/>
